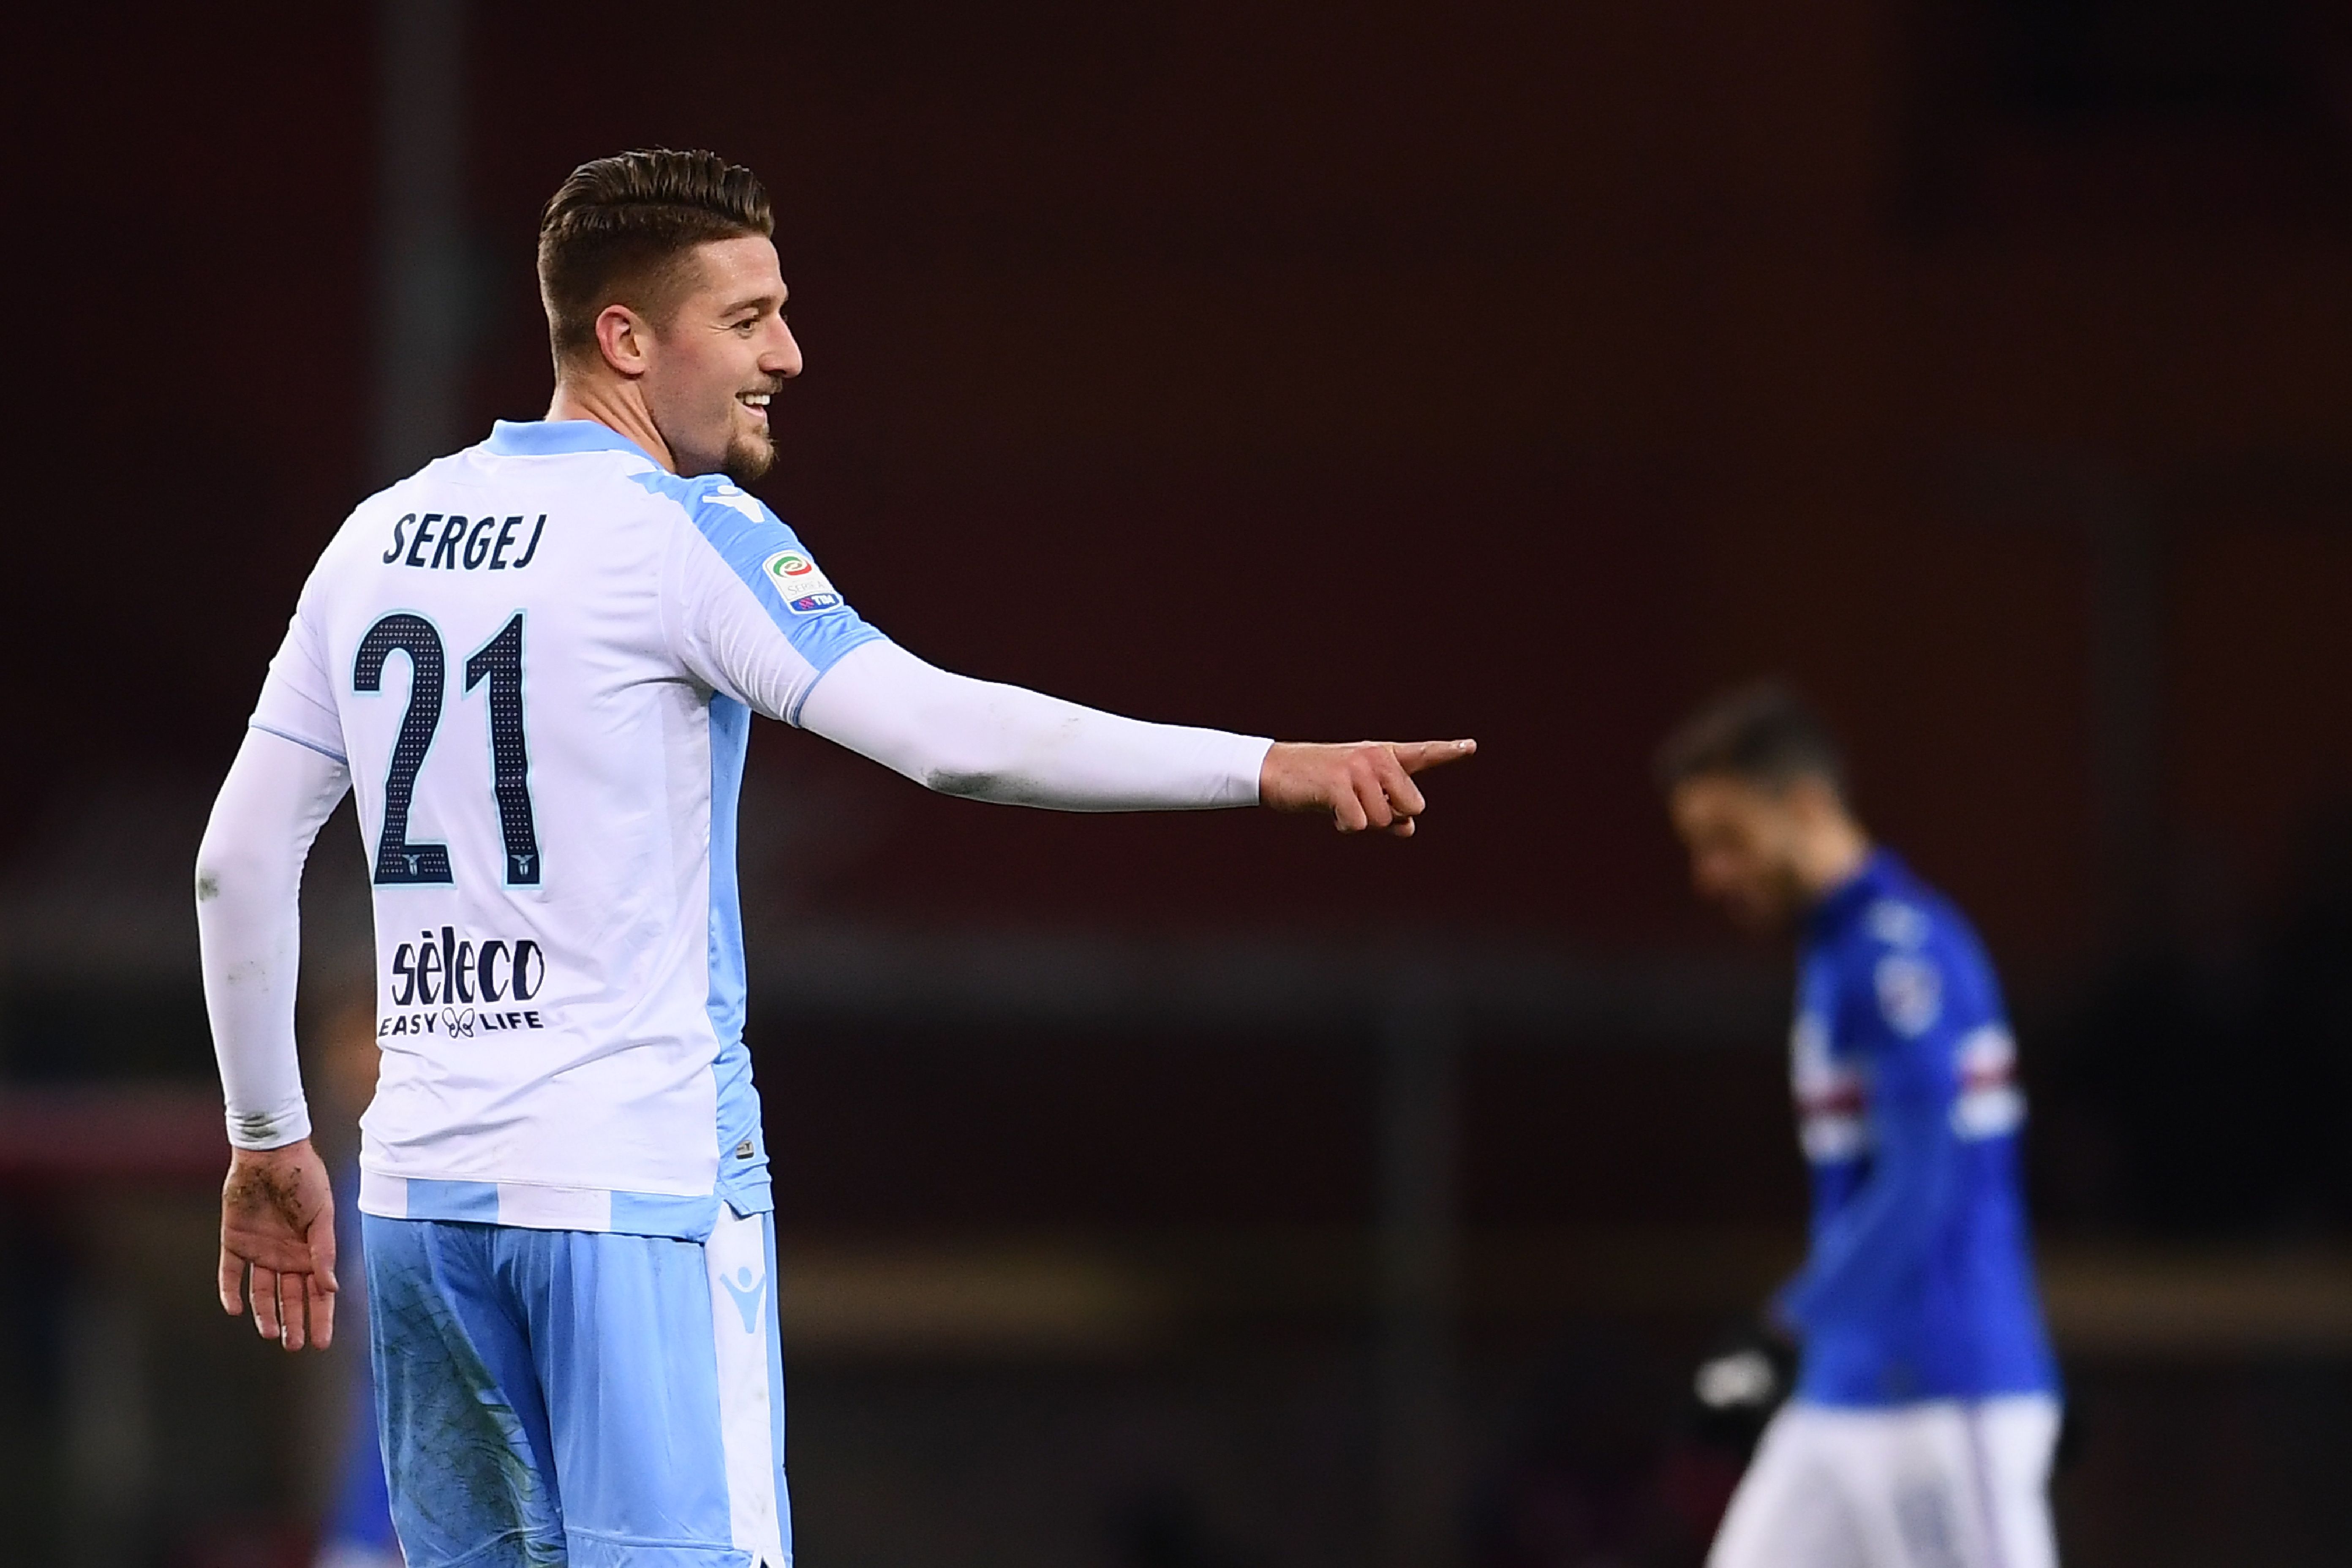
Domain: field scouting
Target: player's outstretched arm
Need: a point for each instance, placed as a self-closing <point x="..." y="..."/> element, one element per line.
<point x="1366" y="784"/>
<point x="988" y="741"/>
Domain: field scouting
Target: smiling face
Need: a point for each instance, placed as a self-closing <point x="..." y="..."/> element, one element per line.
<point x="723" y="350"/>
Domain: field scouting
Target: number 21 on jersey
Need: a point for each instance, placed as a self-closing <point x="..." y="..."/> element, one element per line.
<point x="498" y="662"/>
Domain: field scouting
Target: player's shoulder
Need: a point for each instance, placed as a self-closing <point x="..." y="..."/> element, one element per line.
<point x="371" y="519"/>
<point x="1902" y="912"/>
<point x="755" y="544"/>
<point x="1915" y="953"/>
<point x="713" y="505"/>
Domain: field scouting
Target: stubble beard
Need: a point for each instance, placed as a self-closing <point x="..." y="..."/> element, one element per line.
<point x="748" y="457"/>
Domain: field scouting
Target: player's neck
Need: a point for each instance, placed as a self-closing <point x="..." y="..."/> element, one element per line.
<point x="615" y="407"/>
<point x="1831" y="855"/>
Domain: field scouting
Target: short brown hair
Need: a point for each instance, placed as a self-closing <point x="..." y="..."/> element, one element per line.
<point x="616" y="231"/>
<point x="1763" y="734"/>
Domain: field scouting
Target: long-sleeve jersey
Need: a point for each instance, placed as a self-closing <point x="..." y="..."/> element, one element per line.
<point x="1919" y="1282"/>
<point x="536" y="662"/>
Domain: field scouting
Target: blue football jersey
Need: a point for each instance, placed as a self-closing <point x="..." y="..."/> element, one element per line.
<point x="1919" y="1282"/>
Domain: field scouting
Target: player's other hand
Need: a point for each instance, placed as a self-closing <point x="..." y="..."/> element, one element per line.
<point x="1363" y="784"/>
<point x="278" y="1218"/>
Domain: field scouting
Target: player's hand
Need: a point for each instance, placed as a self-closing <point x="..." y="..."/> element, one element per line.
<point x="278" y="1218"/>
<point x="1736" y="1391"/>
<point x="1363" y="784"/>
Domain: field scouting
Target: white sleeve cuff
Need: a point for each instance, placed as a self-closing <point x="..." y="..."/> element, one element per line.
<point x="289" y="1123"/>
<point x="1242" y="762"/>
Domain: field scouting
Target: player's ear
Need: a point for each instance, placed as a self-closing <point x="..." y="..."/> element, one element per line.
<point x="621" y="339"/>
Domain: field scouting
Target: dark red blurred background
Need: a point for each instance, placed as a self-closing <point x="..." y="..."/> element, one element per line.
<point x="1524" y="371"/>
<point x="1521" y="371"/>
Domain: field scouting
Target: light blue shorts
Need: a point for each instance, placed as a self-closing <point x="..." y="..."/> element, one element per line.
<point x="572" y="1398"/>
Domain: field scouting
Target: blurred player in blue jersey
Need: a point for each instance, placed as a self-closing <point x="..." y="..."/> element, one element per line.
<point x="1926" y="1407"/>
<point x="535" y="662"/>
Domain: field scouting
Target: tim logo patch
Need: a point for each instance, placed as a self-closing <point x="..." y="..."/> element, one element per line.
<point x="803" y="588"/>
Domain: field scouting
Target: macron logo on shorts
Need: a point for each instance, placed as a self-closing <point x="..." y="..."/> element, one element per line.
<point x="748" y="1293"/>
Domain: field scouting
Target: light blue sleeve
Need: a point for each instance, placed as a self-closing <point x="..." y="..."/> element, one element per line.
<point x="754" y="547"/>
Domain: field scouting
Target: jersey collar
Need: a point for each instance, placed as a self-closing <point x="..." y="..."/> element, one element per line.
<point x="557" y="437"/>
<point x="1842" y="902"/>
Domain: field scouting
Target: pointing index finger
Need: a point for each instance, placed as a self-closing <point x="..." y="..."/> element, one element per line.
<point x="1419" y="756"/>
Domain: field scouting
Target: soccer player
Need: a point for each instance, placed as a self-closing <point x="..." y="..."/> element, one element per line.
<point x="536" y="661"/>
<point x="1926" y="1407"/>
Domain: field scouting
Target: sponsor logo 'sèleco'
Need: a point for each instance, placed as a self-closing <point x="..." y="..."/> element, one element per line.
<point x="458" y="986"/>
<point x="803" y="588"/>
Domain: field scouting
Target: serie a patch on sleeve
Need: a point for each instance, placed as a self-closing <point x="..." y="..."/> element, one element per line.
<point x="803" y="589"/>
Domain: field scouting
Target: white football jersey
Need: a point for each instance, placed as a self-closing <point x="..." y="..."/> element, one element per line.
<point x="538" y="659"/>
